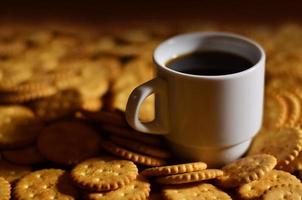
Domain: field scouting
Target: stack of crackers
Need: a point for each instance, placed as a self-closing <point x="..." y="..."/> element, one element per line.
<point x="63" y="134"/>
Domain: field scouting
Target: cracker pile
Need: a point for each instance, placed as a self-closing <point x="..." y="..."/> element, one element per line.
<point x="63" y="133"/>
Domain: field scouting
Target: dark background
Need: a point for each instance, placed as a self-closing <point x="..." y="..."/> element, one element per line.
<point x="92" y="11"/>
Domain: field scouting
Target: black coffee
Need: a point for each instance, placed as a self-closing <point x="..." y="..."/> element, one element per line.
<point x="210" y="63"/>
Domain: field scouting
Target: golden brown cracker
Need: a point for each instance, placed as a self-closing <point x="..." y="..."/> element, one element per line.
<point x="281" y="83"/>
<point x="273" y="143"/>
<point x="18" y="127"/>
<point x="14" y="73"/>
<point x="190" y="177"/>
<point x="246" y="169"/>
<point x="294" y="108"/>
<point x="93" y="79"/>
<point x="113" y="64"/>
<point x="26" y="87"/>
<point x="57" y="106"/>
<point x="284" y="192"/>
<point x="46" y="184"/>
<point x="26" y="156"/>
<point x="138" y="189"/>
<point x="256" y="189"/>
<point x="73" y="142"/>
<point x="59" y="76"/>
<point x="194" y="192"/>
<point x="5" y="189"/>
<point x="174" y="169"/>
<point x="129" y="155"/>
<point x="141" y="148"/>
<point x="98" y="175"/>
<point x="24" y="97"/>
<point x="275" y="111"/>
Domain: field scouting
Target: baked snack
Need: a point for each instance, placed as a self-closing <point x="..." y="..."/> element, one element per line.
<point x="194" y="192"/>
<point x="257" y="188"/>
<point x="5" y="189"/>
<point x="73" y="141"/>
<point x="19" y="127"/>
<point x="46" y="184"/>
<point x="246" y="169"/>
<point x="190" y="177"/>
<point x="129" y="155"/>
<point x="174" y="169"/>
<point x="138" y="189"/>
<point x="98" y="175"/>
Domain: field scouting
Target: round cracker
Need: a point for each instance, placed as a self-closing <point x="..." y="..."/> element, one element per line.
<point x="26" y="156"/>
<point x="273" y="143"/>
<point x="68" y="143"/>
<point x="247" y="169"/>
<point x="23" y="97"/>
<point x="129" y="155"/>
<point x="61" y="77"/>
<point x="99" y="174"/>
<point x="94" y="80"/>
<point x="283" y="192"/>
<point x="26" y="87"/>
<point x="256" y="189"/>
<point x="57" y="106"/>
<point x="18" y="127"/>
<point x="174" y="169"/>
<point x="140" y="148"/>
<point x="190" y="177"/>
<point x="46" y="184"/>
<point x="294" y="108"/>
<point x="113" y="64"/>
<point x="194" y="191"/>
<point x="132" y="134"/>
<point x="138" y="189"/>
<point x="5" y="189"/>
<point x="275" y="111"/>
<point x="12" y="172"/>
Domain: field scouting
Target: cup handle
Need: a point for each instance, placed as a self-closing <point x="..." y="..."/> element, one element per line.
<point x="159" y="125"/>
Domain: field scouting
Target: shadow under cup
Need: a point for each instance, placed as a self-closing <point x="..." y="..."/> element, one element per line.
<point x="212" y="118"/>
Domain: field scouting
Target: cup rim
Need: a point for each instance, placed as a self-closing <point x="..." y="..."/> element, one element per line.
<point x="211" y="33"/>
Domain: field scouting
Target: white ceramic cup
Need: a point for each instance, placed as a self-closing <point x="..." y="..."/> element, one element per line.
<point x="207" y="118"/>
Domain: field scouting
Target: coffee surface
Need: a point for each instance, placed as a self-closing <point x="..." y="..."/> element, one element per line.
<point x="209" y="63"/>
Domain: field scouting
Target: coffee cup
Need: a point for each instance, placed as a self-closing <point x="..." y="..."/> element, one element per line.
<point x="210" y="118"/>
